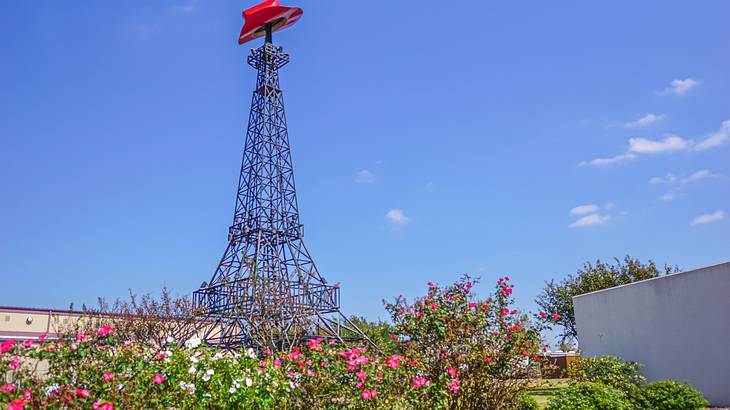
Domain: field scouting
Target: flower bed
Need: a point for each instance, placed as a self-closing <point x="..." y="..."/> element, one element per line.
<point x="447" y="350"/>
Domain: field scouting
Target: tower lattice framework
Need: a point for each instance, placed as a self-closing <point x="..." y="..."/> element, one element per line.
<point x="266" y="291"/>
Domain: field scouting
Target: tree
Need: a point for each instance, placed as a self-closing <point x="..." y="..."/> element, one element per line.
<point x="556" y="299"/>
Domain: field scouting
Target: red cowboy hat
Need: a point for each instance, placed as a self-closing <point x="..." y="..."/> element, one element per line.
<point x="267" y="12"/>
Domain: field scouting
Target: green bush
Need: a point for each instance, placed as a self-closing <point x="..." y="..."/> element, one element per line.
<point x="668" y="395"/>
<point x="527" y="402"/>
<point x="589" y="396"/>
<point x="609" y="370"/>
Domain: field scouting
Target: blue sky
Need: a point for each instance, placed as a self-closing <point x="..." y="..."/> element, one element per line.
<point x="429" y="140"/>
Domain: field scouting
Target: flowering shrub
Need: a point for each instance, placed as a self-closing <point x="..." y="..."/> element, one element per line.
<point x="449" y="351"/>
<point x="480" y="349"/>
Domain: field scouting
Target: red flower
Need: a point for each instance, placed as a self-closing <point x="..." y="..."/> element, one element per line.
<point x="556" y="316"/>
<point x="7" y="388"/>
<point x="82" y="393"/>
<point x="543" y="314"/>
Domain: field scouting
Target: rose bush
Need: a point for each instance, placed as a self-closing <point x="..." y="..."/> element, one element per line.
<point x="448" y="350"/>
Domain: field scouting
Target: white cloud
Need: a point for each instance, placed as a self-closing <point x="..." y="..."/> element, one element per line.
<point x="670" y="178"/>
<point x="709" y="218"/>
<point x="609" y="161"/>
<point x="680" y="87"/>
<point x="668" y="144"/>
<point x="645" y="121"/>
<point x="590" y="220"/>
<point x="397" y="217"/>
<point x="584" y="209"/>
<point x="716" y="138"/>
<point x="364" y="177"/>
<point x="694" y="177"/>
<point x="699" y="175"/>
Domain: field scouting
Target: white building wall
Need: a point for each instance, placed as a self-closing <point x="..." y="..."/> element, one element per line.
<point x="677" y="325"/>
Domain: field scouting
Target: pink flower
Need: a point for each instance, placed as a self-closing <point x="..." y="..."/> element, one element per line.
<point x="360" y="385"/>
<point x="27" y="394"/>
<point x="393" y="337"/>
<point x="419" y="382"/>
<point x="314" y="344"/>
<point x="393" y="361"/>
<point x="42" y="337"/>
<point x="102" y="406"/>
<point x="556" y="316"/>
<point x="277" y="363"/>
<point x="373" y="393"/>
<point x="158" y="379"/>
<point x="7" y="345"/>
<point x="525" y="353"/>
<point x="74" y="346"/>
<point x="160" y="355"/>
<point x="7" y="388"/>
<point x="434" y="306"/>
<point x="487" y="359"/>
<point x="82" y="393"/>
<point x="543" y="314"/>
<point x="472" y="305"/>
<point x="105" y="330"/>
<point x="80" y="336"/>
<point x="108" y="376"/>
<point x="16" y="404"/>
<point x="454" y="385"/>
<point x="15" y="362"/>
<point x="365" y="394"/>
<point x="361" y="375"/>
<point x="323" y="363"/>
<point x="27" y="343"/>
<point x="452" y="372"/>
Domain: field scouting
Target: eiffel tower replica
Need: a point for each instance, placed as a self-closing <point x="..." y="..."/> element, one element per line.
<point x="266" y="291"/>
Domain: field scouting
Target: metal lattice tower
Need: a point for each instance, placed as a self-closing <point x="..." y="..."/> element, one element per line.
<point x="266" y="291"/>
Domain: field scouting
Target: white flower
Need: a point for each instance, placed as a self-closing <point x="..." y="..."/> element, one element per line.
<point x="210" y="372"/>
<point x="192" y="369"/>
<point x="169" y="340"/>
<point x="192" y="343"/>
<point x="190" y="387"/>
<point x="217" y="356"/>
<point x="194" y="359"/>
<point x="232" y="390"/>
<point x="51" y="389"/>
<point x="250" y="353"/>
<point x="206" y="395"/>
<point x="249" y="382"/>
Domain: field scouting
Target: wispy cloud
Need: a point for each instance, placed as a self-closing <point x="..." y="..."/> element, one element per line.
<point x="671" y="179"/>
<point x="590" y="220"/>
<point x="715" y="139"/>
<point x="670" y="195"/>
<point x="705" y="219"/>
<point x="584" y="209"/>
<point x="680" y="87"/>
<point x="645" y="121"/>
<point x="364" y="177"/>
<point x="397" y="217"/>
<point x="609" y="161"/>
<point x="184" y="8"/>
<point x="670" y="143"/>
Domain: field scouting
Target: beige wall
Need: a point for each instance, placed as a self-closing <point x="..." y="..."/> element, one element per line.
<point x="25" y="323"/>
